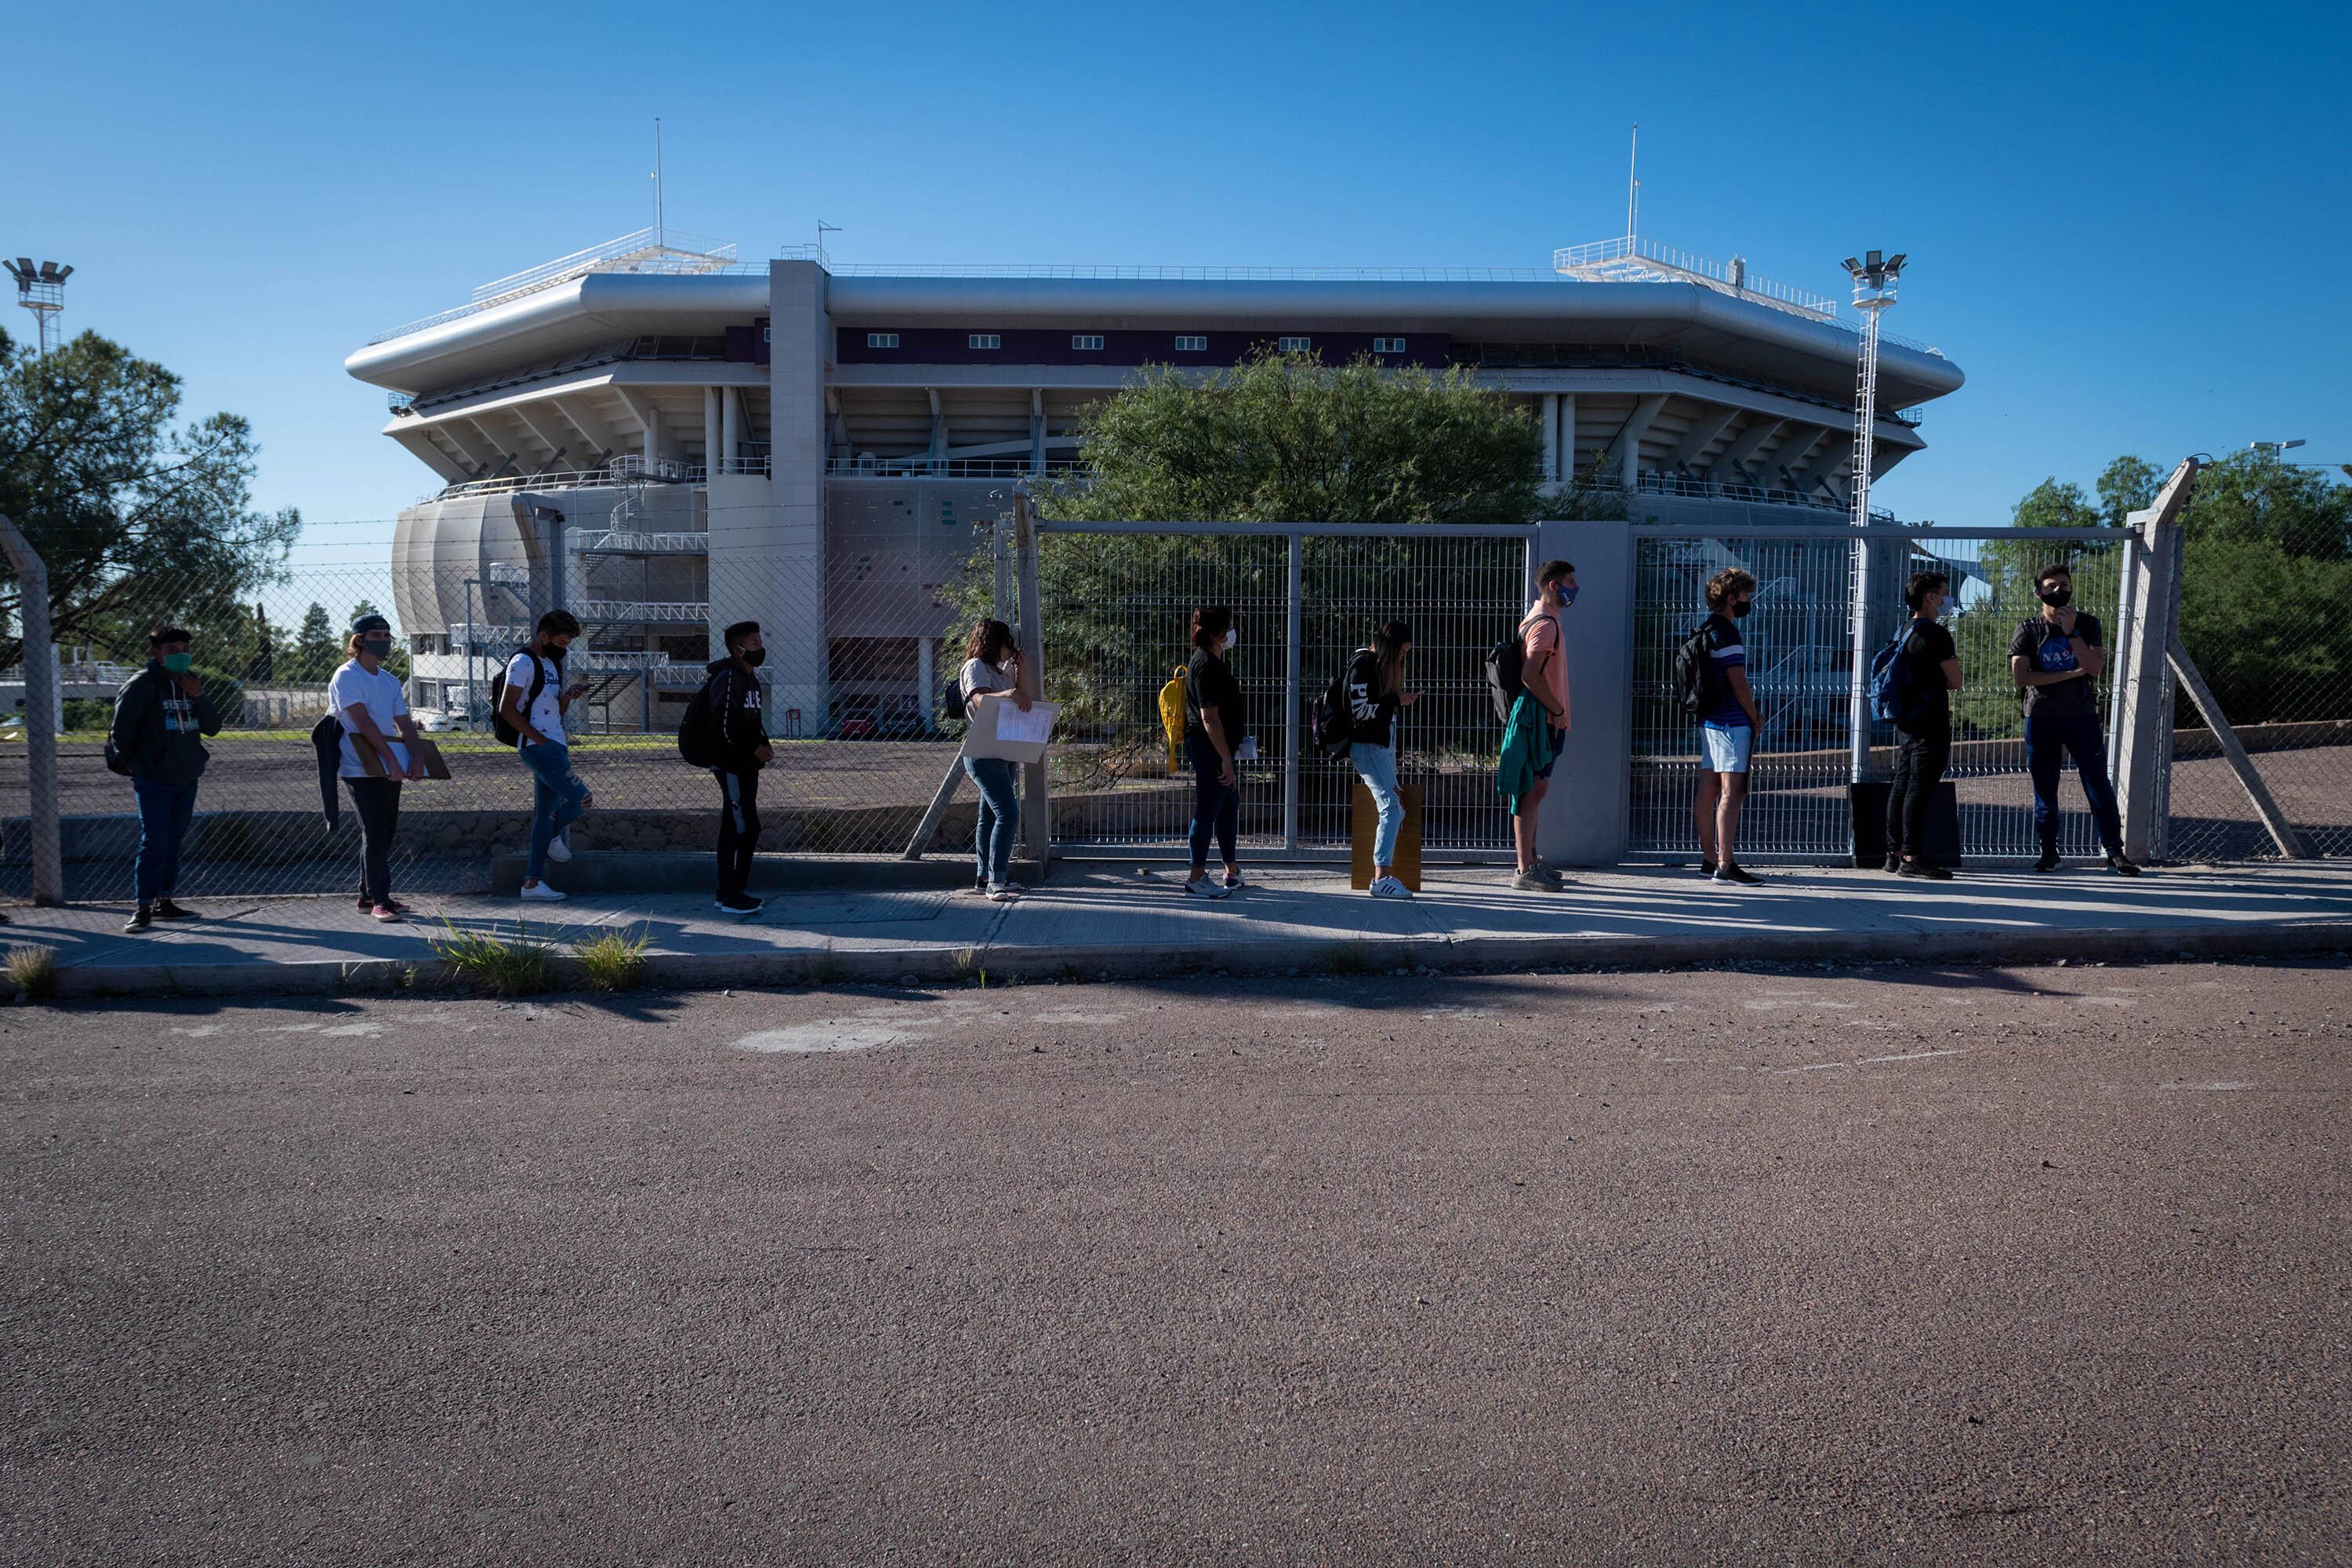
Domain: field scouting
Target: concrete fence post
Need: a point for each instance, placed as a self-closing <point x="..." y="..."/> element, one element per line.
<point x="40" y="657"/>
<point x="2142" y="689"/>
<point x="1036" y="803"/>
<point x="1584" y="821"/>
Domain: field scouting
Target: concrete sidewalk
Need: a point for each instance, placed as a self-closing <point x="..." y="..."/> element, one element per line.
<point x="1097" y="921"/>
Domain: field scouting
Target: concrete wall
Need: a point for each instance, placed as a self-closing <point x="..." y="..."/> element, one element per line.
<point x="1584" y="818"/>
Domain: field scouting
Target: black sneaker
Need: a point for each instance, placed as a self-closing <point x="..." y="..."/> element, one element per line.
<point x="738" y="904"/>
<point x="2121" y="867"/>
<point x="2049" y="861"/>
<point x="1732" y="871"/>
<point x="1922" y="868"/>
<point x="1894" y="863"/>
<point x="1707" y="868"/>
<point x="140" y="919"/>
<point x="166" y="910"/>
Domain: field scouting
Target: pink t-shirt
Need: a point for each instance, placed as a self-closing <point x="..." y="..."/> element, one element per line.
<point x="1539" y="634"/>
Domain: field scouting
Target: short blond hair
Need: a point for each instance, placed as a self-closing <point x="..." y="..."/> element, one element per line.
<point x="1725" y="583"/>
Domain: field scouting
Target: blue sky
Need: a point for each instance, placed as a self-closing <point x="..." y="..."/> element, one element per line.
<point x="2128" y="233"/>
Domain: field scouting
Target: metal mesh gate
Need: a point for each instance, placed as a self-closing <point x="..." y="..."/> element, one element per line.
<point x="1117" y="600"/>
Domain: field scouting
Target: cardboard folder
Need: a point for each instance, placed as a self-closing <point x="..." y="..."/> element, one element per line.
<point x="420" y="750"/>
<point x="981" y="739"/>
<point x="1365" y="827"/>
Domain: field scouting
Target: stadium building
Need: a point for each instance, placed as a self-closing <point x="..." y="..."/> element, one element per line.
<point x="666" y="440"/>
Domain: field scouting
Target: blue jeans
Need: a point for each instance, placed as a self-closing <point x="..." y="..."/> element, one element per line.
<point x="1216" y="806"/>
<point x="164" y="810"/>
<point x="560" y="797"/>
<point x="2047" y="742"/>
<point x="1000" y="816"/>
<point x="1376" y="765"/>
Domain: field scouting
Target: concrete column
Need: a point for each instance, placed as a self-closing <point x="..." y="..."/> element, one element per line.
<point x="1550" y="419"/>
<point x="1036" y="430"/>
<point x="731" y="426"/>
<point x="1629" y="456"/>
<point x="1567" y="435"/>
<point x="650" y="446"/>
<point x="712" y="429"/>
<point x="1584" y="817"/>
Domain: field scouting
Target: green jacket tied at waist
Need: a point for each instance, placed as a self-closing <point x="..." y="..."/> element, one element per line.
<point x="1526" y="751"/>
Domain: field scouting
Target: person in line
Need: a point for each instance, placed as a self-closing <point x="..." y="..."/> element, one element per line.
<point x="738" y="719"/>
<point x="1375" y="694"/>
<point x="1215" y="720"/>
<point x="1927" y="730"/>
<point x="2055" y="659"/>
<point x="1727" y="733"/>
<point x="534" y="702"/>
<point x="993" y="662"/>
<point x="367" y="700"/>
<point x="1543" y="678"/>
<point x="161" y="715"/>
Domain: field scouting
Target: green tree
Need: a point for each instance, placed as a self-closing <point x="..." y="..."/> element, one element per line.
<point x="317" y="649"/>
<point x="138" y="519"/>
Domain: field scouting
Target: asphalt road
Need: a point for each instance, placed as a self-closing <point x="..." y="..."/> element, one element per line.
<point x="2043" y="1266"/>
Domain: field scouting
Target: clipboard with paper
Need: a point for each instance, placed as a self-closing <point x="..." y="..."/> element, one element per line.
<point x="998" y="729"/>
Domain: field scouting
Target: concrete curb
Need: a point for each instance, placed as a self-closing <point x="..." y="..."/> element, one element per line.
<point x="1370" y="954"/>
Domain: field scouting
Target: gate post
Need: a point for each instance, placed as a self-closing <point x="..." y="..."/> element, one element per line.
<point x="1037" y="824"/>
<point x="1294" y="699"/>
<point x="1584" y="817"/>
<point x="2142" y="691"/>
<point x="40" y="659"/>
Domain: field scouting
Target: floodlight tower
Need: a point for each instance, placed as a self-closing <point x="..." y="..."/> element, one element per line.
<point x="42" y="290"/>
<point x="1874" y="278"/>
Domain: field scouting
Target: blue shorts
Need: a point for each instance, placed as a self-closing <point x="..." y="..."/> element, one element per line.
<point x="1728" y="746"/>
<point x="1558" y="738"/>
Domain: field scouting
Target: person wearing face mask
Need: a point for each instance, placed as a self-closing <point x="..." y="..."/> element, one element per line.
<point x="1215" y="720"/>
<point x="739" y="721"/>
<point x="993" y="662"/>
<point x="1728" y="730"/>
<point x="2055" y="659"/>
<point x="1926" y="728"/>
<point x="367" y="700"/>
<point x="160" y="716"/>
<point x="1543" y="685"/>
<point x="533" y="702"/>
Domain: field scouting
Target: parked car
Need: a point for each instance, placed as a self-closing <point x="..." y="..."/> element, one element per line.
<point x="435" y="719"/>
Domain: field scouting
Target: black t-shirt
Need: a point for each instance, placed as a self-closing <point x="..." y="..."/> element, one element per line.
<point x="2046" y="649"/>
<point x="1926" y="648"/>
<point x="1208" y="683"/>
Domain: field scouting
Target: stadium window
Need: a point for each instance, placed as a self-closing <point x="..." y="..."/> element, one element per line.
<point x="1294" y="345"/>
<point x="1085" y="339"/>
<point x="1191" y="345"/>
<point x="986" y="340"/>
<point x="881" y="339"/>
<point x="1387" y="345"/>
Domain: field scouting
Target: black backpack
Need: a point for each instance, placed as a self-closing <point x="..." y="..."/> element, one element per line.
<point x="1507" y="664"/>
<point x="1695" y="675"/>
<point x="506" y="734"/>
<point x="698" y="730"/>
<point x="952" y="704"/>
<point x="1329" y="722"/>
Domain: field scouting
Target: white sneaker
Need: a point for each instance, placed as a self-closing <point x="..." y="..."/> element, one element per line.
<point x="540" y="893"/>
<point x="1207" y="888"/>
<point x="1003" y="893"/>
<point x="1390" y="888"/>
<point x="558" y="850"/>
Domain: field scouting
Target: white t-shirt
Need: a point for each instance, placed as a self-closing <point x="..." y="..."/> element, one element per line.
<point x="547" y="713"/>
<point x="976" y="678"/>
<point x="352" y="687"/>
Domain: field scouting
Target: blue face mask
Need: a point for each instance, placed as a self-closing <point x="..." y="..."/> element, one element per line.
<point x="1567" y="596"/>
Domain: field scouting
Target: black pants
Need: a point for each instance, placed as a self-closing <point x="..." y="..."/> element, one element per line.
<point x="1919" y="766"/>
<point x="739" y="827"/>
<point x="377" y="804"/>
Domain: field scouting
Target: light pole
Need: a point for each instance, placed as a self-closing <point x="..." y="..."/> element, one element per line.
<point x="2275" y="450"/>
<point x="1875" y="280"/>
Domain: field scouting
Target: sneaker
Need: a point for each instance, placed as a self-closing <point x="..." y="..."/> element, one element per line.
<point x="738" y="904"/>
<point x="977" y="890"/>
<point x="558" y="850"/>
<point x="1002" y="893"/>
<point x="540" y="893"/>
<point x="385" y="913"/>
<point x="1388" y="888"/>
<point x="166" y="910"/>
<point x="2115" y="863"/>
<point x="1922" y="868"/>
<point x="2049" y="861"/>
<point x="1894" y="864"/>
<point x="1534" y="882"/>
<point x="1203" y="888"/>
<point x="140" y="919"/>
<point x="366" y="903"/>
<point x="1732" y="871"/>
<point x="1707" y="868"/>
<point x="1234" y="880"/>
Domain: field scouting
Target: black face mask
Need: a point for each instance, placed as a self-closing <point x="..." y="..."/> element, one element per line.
<point x="1739" y="610"/>
<point x="2057" y="598"/>
<point x="755" y="656"/>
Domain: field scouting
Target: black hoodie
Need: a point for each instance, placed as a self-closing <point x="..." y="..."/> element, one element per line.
<point x="738" y="715"/>
<point x="156" y="726"/>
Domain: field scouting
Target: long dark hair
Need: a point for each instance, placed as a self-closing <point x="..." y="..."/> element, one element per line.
<point x="1388" y="652"/>
<point x="990" y="642"/>
<point x="1210" y="625"/>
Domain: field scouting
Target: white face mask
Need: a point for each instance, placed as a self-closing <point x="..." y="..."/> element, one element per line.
<point x="1232" y="639"/>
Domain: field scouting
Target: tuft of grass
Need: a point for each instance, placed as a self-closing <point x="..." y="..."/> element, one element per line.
<point x="1349" y="958"/>
<point x="614" y="961"/>
<point x="491" y="966"/>
<point x="825" y="969"/>
<point x="31" y="970"/>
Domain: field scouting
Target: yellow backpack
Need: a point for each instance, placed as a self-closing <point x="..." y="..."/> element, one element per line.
<point x="1172" y="717"/>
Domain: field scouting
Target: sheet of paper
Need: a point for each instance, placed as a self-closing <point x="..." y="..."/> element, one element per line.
<point x="1036" y="726"/>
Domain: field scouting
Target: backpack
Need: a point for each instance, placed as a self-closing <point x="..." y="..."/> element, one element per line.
<point x="506" y="734"/>
<point x="1894" y="693"/>
<point x="1329" y="720"/>
<point x="1507" y="664"/>
<point x="1696" y="678"/>
<point x="698" y="730"/>
<point x="1172" y="717"/>
<point x="952" y="704"/>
